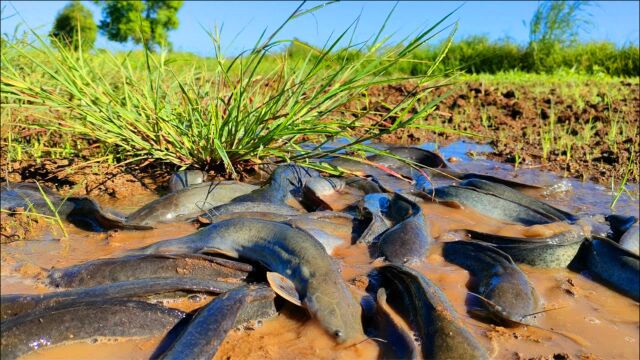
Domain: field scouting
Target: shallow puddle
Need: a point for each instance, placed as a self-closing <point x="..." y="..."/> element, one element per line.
<point x="583" y="319"/>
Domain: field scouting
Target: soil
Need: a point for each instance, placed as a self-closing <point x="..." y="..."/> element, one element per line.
<point x="515" y="116"/>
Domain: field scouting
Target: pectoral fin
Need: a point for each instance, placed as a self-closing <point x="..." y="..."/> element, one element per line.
<point x="283" y="287"/>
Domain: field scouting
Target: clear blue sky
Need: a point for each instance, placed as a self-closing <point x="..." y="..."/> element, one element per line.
<point x="243" y="22"/>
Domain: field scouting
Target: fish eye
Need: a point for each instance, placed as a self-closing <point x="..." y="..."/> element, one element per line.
<point x="337" y="333"/>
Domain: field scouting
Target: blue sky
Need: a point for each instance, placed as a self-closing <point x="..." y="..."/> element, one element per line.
<point x="243" y="22"/>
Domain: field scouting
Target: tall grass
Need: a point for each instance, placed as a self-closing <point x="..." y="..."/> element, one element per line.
<point x="221" y="113"/>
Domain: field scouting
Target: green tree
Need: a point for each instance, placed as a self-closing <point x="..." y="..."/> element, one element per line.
<point x="143" y="22"/>
<point x="74" y="27"/>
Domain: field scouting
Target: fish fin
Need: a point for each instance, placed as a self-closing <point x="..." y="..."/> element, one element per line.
<point x="452" y="204"/>
<point x="283" y="287"/>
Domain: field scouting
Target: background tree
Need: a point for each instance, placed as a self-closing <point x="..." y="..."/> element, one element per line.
<point x="143" y="22"/>
<point x="74" y="27"/>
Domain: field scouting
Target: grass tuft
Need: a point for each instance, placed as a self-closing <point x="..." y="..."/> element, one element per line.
<point x="223" y="113"/>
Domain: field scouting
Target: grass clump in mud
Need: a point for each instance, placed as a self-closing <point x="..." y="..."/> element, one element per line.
<point x="215" y="115"/>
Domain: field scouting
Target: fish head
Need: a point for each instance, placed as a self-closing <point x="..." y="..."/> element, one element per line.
<point x="338" y="313"/>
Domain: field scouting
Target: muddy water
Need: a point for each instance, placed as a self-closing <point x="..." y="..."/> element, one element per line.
<point x="584" y="319"/>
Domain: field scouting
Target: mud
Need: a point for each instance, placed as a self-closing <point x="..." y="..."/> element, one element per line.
<point x="583" y="319"/>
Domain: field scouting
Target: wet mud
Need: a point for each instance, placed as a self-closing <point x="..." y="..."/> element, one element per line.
<point x="580" y="318"/>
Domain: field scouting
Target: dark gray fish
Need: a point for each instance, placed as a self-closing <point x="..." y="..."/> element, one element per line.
<point x="611" y="264"/>
<point x="188" y="203"/>
<point x="619" y="224"/>
<point x="425" y="307"/>
<point x="504" y="290"/>
<point x="555" y="251"/>
<point x="409" y="239"/>
<point x="365" y="185"/>
<point x="390" y="163"/>
<point x="186" y="178"/>
<point x="435" y="166"/>
<point x="285" y="184"/>
<point x="16" y="304"/>
<point x="290" y="252"/>
<point x="250" y="206"/>
<point x="507" y="193"/>
<point x="423" y="157"/>
<point x="510" y="183"/>
<point x="490" y="204"/>
<point x="83" y="212"/>
<point x="374" y="207"/>
<point x="84" y="321"/>
<point x="135" y="267"/>
<point x="322" y="225"/>
<point x="398" y="342"/>
<point x="209" y="327"/>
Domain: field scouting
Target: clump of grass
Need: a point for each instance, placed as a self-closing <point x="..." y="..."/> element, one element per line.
<point x="616" y="193"/>
<point x="219" y="116"/>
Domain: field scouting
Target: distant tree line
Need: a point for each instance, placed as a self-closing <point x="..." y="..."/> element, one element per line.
<point x="553" y="40"/>
<point x="143" y="22"/>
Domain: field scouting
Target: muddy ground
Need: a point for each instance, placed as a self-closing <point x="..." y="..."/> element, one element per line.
<point x="513" y="118"/>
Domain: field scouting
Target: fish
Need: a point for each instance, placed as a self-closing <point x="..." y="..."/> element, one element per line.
<point x="82" y="212"/>
<point x="329" y="231"/>
<point x="490" y="204"/>
<point x="285" y="185"/>
<point x="424" y="306"/>
<point x="507" y="296"/>
<point x="610" y="264"/>
<point x="555" y="251"/>
<point x="208" y="328"/>
<point x="16" y="304"/>
<point x="397" y="342"/>
<point x="507" y="193"/>
<point x="290" y="252"/>
<point x="248" y="207"/>
<point x="625" y="231"/>
<point x="330" y="228"/>
<point x="185" y="178"/>
<point x="84" y="321"/>
<point x="188" y="203"/>
<point x="373" y="207"/>
<point x="135" y="267"/>
<point x="408" y="240"/>
<point x="619" y="224"/>
<point x="630" y="240"/>
<point x="428" y="164"/>
<point x="367" y="186"/>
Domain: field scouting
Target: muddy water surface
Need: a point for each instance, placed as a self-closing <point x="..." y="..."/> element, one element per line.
<point x="584" y="319"/>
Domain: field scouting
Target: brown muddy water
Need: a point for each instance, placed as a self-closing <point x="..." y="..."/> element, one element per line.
<point x="585" y="319"/>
